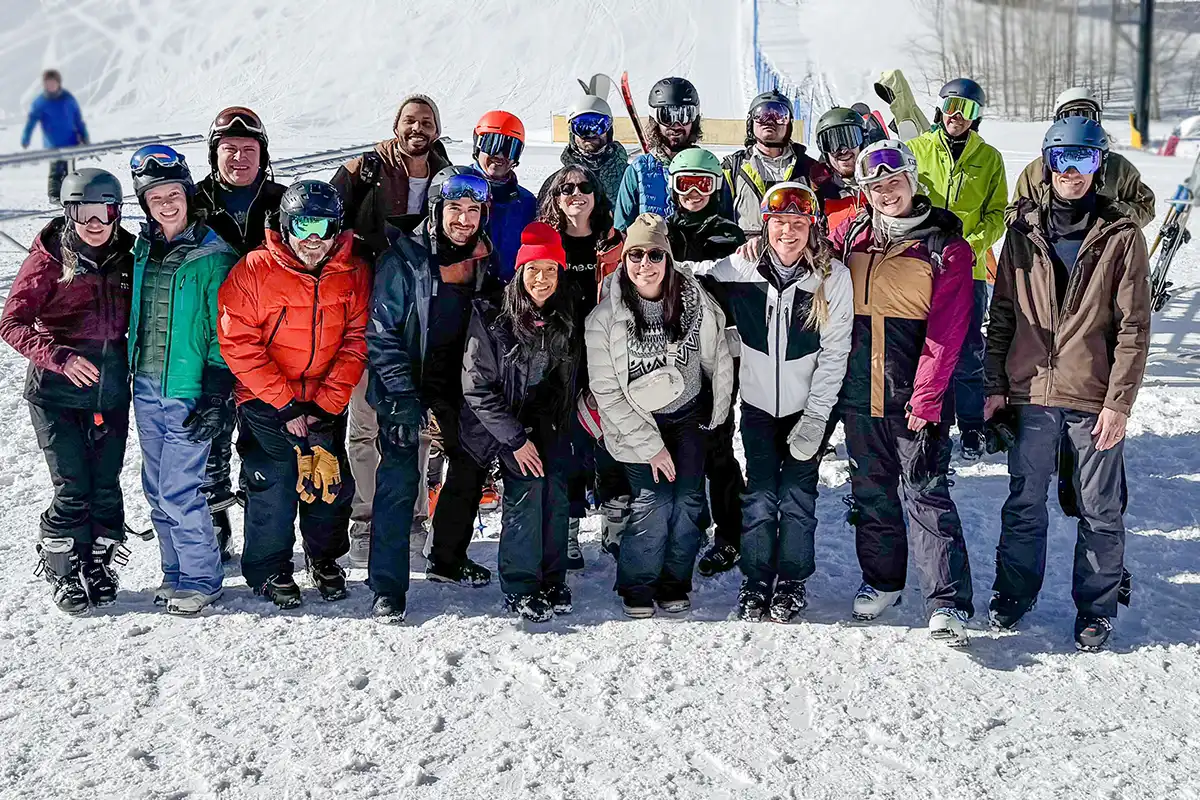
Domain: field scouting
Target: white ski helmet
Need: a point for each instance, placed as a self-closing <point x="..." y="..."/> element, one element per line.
<point x="1077" y="96"/>
<point x="589" y="104"/>
<point x="883" y="159"/>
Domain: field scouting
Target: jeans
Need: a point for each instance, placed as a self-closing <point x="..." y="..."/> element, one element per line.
<point x="1024" y="520"/>
<point x="779" y="507"/>
<point x="173" y="470"/>
<point x="968" y="374"/>
<point x="534" y="519"/>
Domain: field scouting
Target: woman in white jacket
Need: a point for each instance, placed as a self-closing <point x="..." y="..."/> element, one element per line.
<point x="793" y="306"/>
<point x="661" y="373"/>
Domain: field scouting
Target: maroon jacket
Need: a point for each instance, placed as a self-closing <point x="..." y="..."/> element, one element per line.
<point x="48" y="320"/>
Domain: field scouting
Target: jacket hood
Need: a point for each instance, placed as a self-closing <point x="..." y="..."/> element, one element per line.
<point x="341" y="259"/>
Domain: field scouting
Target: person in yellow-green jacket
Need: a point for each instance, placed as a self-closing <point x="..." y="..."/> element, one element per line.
<point x="963" y="174"/>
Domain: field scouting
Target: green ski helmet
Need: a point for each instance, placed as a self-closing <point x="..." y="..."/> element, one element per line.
<point x="696" y="159"/>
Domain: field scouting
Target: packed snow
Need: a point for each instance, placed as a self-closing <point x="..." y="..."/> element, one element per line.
<point x="465" y="701"/>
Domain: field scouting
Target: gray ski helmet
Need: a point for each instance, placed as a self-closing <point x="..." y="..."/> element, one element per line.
<point x="1076" y="132"/>
<point x="671" y="92"/>
<point x="964" y="87"/>
<point x="310" y="199"/>
<point x="590" y="104"/>
<point x="91" y="185"/>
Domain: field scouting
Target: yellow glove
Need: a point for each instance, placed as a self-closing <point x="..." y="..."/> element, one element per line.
<point x="304" y="480"/>
<point x="326" y="473"/>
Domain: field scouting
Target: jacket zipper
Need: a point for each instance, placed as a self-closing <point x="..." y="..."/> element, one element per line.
<point x="312" y="353"/>
<point x="278" y="324"/>
<point x="170" y="317"/>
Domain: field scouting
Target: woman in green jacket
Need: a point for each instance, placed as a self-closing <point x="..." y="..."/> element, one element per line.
<point x="181" y="387"/>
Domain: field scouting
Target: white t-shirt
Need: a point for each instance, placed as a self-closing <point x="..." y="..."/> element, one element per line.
<point x="417" y="188"/>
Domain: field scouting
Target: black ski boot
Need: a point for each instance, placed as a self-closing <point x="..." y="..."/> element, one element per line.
<point x="533" y="607"/>
<point x="789" y="600"/>
<point x="330" y="579"/>
<point x="281" y="590"/>
<point x="559" y="597"/>
<point x="466" y="574"/>
<point x="751" y="604"/>
<point x="719" y="558"/>
<point x="388" y="609"/>
<point x="1091" y="633"/>
<point x="99" y="577"/>
<point x="972" y="444"/>
<point x="60" y="567"/>
<point x="1005" y="612"/>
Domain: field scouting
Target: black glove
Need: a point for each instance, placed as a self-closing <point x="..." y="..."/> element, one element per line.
<point x="400" y="434"/>
<point x="322" y="432"/>
<point x="924" y="470"/>
<point x="214" y="409"/>
<point x="1001" y="431"/>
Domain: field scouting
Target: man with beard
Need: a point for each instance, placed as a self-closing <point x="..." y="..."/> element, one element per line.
<point x="391" y="181"/>
<point x="499" y="141"/>
<point x="293" y="318"/>
<point x="238" y="199"/>
<point x="592" y="145"/>
<point x="673" y="127"/>
<point x="770" y="157"/>
<point x="841" y="136"/>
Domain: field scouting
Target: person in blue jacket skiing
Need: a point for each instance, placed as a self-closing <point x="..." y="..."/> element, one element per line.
<point x="499" y="140"/>
<point x="57" y="111"/>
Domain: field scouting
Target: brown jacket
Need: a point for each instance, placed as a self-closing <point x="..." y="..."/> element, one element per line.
<point x="1091" y="353"/>
<point x="388" y="197"/>
<point x="1119" y="181"/>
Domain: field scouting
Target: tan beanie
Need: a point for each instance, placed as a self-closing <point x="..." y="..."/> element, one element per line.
<point x="647" y="231"/>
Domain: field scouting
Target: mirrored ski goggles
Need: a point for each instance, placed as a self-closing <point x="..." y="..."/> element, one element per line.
<point x="321" y="227"/>
<point x="840" y="139"/>
<point x="591" y="125"/>
<point x="704" y="183"/>
<point x="500" y="144"/>
<point x="1084" y="160"/>
<point x="967" y="109"/>
<point x="676" y="115"/>
<point x="239" y="117"/>
<point x="878" y="165"/>
<point x="791" y="200"/>
<point x="773" y="113"/>
<point x="466" y="187"/>
<point x="153" y="156"/>
<point x="1085" y="110"/>
<point x="654" y="255"/>
<point x="83" y="213"/>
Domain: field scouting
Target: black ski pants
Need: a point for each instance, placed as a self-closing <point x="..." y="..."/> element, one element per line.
<point x="396" y="486"/>
<point x="458" y="501"/>
<point x="58" y="171"/>
<point x="725" y="483"/>
<point x="85" y="460"/>
<point x="1099" y="483"/>
<point x="883" y="458"/>
<point x="535" y="518"/>
<point x="269" y="473"/>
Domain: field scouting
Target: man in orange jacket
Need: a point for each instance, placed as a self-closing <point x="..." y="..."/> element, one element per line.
<point x="293" y="318"/>
<point x="841" y="136"/>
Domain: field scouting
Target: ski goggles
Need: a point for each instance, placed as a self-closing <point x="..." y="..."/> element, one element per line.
<point x="591" y="125"/>
<point x="676" y="115"/>
<point x="967" y="109"/>
<point x="791" y="200"/>
<point x="654" y="255"/>
<point x="467" y="187"/>
<point x="154" y="157"/>
<point x="772" y="113"/>
<point x="321" y="227"/>
<point x="83" y="213"/>
<point x="583" y="187"/>
<point x="1085" y="110"/>
<point x="1084" y="160"/>
<point x="704" y="183"/>
<point x="240" y="118"/>
<point x="880" y="164"/>
<point x="500" y="144"/>
<point x="840" y="139"/>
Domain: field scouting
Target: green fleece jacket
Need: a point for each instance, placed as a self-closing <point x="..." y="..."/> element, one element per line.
<point x="974" y="188"/>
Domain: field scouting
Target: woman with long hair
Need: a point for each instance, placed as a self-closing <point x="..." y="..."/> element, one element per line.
<point x="661" y="373"/>
<point x="518" y="404"/>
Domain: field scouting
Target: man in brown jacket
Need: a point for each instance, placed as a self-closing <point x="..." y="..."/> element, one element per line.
<point x="1067" y="347"/>
<point x="390" y="181"/>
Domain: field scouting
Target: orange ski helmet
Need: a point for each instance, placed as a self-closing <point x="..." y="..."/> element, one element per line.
<point x="500" y="133"/>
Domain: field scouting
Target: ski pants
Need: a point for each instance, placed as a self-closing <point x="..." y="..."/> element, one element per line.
<point x="364" y="456"/>
<point x="269" y="472"/>
<point x="883" y="452"/>
<point x="725" y="482"/>
<point x="396" y="491"/>
<point x="85" y="468"/>
<point x="1024" y="521"/>
<point x="58" y="171"/>
<point x="458" y="501"/>
<point x="172" y="474"/>
<point x="662" y="537"/>
<point x="779" y="507"/>
<point x="581" y="470"/>
<point x="968" y="374"/>
<point x="218" y="484"/>
<point x="535" y="518"/>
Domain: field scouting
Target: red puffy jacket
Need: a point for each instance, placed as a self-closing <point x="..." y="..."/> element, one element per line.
<point x="288" y="334"/>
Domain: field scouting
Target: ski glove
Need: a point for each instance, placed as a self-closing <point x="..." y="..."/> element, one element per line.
<point x="305" y="486"/>
<point x="214" y="409"/>
<point x="923" y="470"/>
<point x="402" y="436"/>
<point x="326" y="474"/>
<point x="804" y="441"/>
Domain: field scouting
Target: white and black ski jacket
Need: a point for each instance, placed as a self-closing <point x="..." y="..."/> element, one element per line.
<point x="786" y="366"/>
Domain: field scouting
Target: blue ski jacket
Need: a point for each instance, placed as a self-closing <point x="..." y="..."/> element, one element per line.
<point x="644" y="190"/>
<point x="60" y="118"/>
<point x="513" y="207"/>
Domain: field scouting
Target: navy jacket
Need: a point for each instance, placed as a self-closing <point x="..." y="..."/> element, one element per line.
<point x="513" y="207"/>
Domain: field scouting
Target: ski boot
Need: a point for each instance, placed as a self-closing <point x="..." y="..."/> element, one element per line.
<point x="559" y="597"/>
<point x="972" y="444"/>
<point x="360" y="544"/>
<point x="534" y="607"/>
<point x="329" y="578"/>
<point x="638" y="603"/>
<point x="1005" y="612"/>
<point x="616" y="515"/>
<point x="719" y="558"/>
<point x="949" y="626"/>
<point x="466" y="574"/>
<point x="282" y="591"/>
<point x="751" y="604"/>
<point x="60" y="566"/>
<point x="789" y="600"/>
<point x="190" y="602"/>
<point x="388" y="609"/>
<point x="1091" y="633"/>
<point x="99" y="577"/>
<point x="574" y="551"/>
<point x="869" y="602"/>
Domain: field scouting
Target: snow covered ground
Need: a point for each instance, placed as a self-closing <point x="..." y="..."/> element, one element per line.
<point x="462" y="701"/>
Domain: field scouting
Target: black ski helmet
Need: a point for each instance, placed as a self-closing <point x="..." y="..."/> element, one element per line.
<point x="91" y="185"/>
<point x="237" y="121"/>
<point x="310" y="199"/>
<point x="773" y="96"/>
<point x="670" y="92"/>
<point x="964" y="87"/>
<point x="436" y="201"/>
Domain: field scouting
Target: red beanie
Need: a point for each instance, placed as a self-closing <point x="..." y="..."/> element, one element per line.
<point x="541" y="242"/>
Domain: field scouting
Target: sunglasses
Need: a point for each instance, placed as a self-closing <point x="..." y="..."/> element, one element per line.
<point x="773" y="113"/>
<point x="583" y="187"/>
<point x="656" y="256"/>
<point x="500" y="144"/>
<point x="321" y="227"/>
<point x="466" y="187"/>
<point x="967" y="109"/>
<point x="83" y="213"/>
<point x="591" y="125"/>
<point x="791" y="201"/>
<point x="153" y="156"/>
<point x="1084" y="160"/>
<point x="676" y="115"/>
<point x="239" y="117"/>
<point x="703" y="183"/>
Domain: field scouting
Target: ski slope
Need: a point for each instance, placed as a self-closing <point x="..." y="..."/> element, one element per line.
<point x="463" y="701"/>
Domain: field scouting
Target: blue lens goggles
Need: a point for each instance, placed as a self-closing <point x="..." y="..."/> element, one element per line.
<point x="499" y="144"/>
<point x="591" y="125"/>
<point x="321" y="227"/>
<point x="1085" y="160"/>
<point x="154" y="156"/>
<point x="471" y="187"/>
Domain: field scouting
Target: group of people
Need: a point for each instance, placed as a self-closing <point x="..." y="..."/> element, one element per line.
<point x="587" y="344"/>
